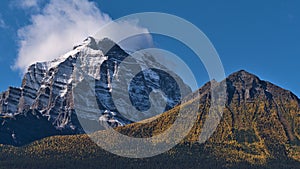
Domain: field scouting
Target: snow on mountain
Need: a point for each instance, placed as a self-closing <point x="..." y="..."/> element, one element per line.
<point x="47" y="91"/>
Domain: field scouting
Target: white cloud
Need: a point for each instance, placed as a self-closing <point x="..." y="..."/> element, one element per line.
<point x="59" y="26"/>
<point x="29" y="3"/>
<point x="2" y="23"/>
<point x="129" y="35"/>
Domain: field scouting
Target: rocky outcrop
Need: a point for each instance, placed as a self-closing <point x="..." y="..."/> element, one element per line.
<point x="48" y="91"/>
<point x="260" y="121"/>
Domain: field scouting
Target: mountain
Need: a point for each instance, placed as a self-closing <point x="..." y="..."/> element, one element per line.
<point x="50" y="93"/>
<point x="260" y="128"/>
<point x="260" y="121"/>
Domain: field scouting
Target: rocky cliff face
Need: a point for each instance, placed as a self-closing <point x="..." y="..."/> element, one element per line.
<point x="260" y="128"/>
<point x="44" y="104"/>
<point x="260" y="121"/>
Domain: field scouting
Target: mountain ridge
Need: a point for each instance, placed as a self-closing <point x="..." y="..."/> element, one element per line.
<point x="54" y="89"/>
<point x="259" y="129"/>
<point x="263" y="123"/>
<point x="260" y="121"/>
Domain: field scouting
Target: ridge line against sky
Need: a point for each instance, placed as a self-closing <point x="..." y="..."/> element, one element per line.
<point x="260" y="37"/>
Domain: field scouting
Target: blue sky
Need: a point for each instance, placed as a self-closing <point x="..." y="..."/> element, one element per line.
<point x="258" y="36"/>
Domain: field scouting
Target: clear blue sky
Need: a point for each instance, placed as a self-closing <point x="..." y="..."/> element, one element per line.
<point x="262" y="37"/>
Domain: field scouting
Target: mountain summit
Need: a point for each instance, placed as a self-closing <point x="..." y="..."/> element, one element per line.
<point x="44" y="105"/>
<point x="260" y="121"/>
<point x="259" y="128"/>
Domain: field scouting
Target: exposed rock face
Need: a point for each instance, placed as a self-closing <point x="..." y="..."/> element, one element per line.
<point x="10" y="100"/>
<point x="46" y="98"/>
<point x="251" y="100"/>
<point x="261" y="113"/>
<point x="260" y="121"/>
